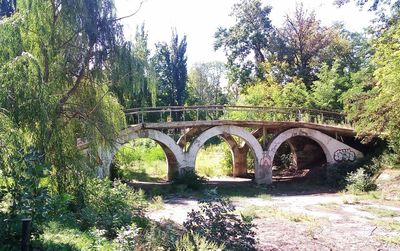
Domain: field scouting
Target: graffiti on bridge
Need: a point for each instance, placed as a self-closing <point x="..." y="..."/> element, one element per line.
<point x="266" y="160"/>
<point x="343" y="155"/>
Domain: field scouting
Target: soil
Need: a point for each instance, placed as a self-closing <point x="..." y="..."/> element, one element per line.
<point x="334" y="221"/>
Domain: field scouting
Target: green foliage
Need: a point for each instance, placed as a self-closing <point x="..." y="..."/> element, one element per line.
<point x="59" y="237"/>
<point x="132" y="75"/>
<point x="159" y="236"/>
<point x="110" y="206"/>
<point x="251" y="35"/>
<point x="374" y="111"/>
<point x="217" y="222"/>
<point x="191" y="241"/>
<point x="328" y="90"/>
<point x="359" y="181"/>
<point x="142" y="160"/>
<point x="214" y="160"/>
<point x="54" y="81"/>
<point x="171" y="72"/>
<point x="204" y="84"/>
<point x="126" y="238"/>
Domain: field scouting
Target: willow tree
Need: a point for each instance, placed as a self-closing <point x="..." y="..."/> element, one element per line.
<point x="132" y="74"/>
<point x="53" y="58"/>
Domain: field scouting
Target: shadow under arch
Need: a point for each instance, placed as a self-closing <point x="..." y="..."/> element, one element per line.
<point x="173" y="152"/>
<point x="240" y="132"/>
<point x="321" y="139"/>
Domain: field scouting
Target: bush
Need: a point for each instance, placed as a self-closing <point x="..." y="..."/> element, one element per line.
<point x="126" y="238"/>
<point x="191" y="241"/>
<point x="336" y="174"/>
<point x="110" y="206"/>
<point x="359" y="181"/>
<point x="217" y="222"/>
<point x="158" y="236"/>
<point x="190" y="179"/>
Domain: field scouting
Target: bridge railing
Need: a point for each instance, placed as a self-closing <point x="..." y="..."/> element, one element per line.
<point x="226" y="112"/>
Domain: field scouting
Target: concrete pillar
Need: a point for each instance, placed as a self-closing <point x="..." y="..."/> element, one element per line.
<point x="239" y="157"/>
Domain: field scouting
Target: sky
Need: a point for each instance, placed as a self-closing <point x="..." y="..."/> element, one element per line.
<point x="199" y="19"/>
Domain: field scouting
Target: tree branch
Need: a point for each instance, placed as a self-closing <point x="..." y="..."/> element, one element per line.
<point x="130" y="15"/>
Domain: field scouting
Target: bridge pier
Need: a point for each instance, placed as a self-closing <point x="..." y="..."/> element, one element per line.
<point x="239" y="157"/>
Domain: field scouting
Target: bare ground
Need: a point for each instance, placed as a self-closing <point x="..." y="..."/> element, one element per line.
<point x="309" y="220"/>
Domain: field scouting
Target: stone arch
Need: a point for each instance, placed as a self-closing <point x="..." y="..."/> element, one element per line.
<point x="173" y="152"/>
<point x="250" y="140"/>
<point x="328" y="144"/>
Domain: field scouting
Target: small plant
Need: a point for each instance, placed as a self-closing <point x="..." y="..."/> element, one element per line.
<point x="190" y="179"/>
<point x="191" y="241"/>
<point x="126" y="238"/>
<point x="217" y="222"/>
<point x="359" y="181"/>
<point x="158" y="236"/>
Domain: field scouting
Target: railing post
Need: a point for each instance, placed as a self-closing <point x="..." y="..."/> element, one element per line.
<point x="170" y="114"/>
<point x="26" y="234"/>
<point x="197" y="114"/>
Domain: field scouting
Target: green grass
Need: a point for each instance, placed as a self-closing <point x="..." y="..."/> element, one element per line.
<point x="391" y="239"/>
<point x="381" y="212"/>
<point x="388" y="224"/>
<point x="349" y="198"/>
<point x="329" y="206"/>
<point x="211" y="161"/>
<point x="144" y="160"/>
<point x="59" y="237"/>
<point x="265" y="212"/>
<point x="143" y="171"/>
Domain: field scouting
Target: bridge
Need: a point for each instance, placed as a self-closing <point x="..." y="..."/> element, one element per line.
<point x="182" y="130"/>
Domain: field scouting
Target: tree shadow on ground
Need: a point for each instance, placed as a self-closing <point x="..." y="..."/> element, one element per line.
<point x="240" y="187"/>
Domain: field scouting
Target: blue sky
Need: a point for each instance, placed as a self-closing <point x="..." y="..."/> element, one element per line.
<point x="199" y="19"/>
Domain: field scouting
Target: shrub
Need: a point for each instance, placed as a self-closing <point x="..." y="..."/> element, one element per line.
<point x="359" y="181"/>
<point x="158" y="236"/>
<point x="126" y="238"/>
<point x="217" y="222"/>
<point x="190" y="179"/>
<point x="110" y="206"/>
<point x="336" y="174"/>
<point x="191" y="241"/>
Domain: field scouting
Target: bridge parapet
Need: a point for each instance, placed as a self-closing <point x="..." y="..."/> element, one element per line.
<point x="226" y="112"/>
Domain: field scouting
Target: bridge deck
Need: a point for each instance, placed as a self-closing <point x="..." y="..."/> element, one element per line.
<point x="271" y="126"/>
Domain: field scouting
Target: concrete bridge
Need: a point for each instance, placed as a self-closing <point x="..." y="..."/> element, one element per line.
<point x="182" y="131"/>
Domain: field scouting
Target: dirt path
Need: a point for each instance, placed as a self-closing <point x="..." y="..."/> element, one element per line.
<point x="309" y="222"/>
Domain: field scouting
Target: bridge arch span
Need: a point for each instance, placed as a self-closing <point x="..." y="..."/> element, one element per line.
<point x="173" y="152"/>
<point x="329" y="145"/>
<point x="240" y="132"/>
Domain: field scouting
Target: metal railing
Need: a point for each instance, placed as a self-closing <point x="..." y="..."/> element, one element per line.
<point x="226" y="112"/>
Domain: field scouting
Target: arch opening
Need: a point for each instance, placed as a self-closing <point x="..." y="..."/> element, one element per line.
<point x="226" y="131"/>
<point x="225" y="155"/>
<point x="142" y="159"/>
<point x="172" y="152"/>
<point x="298" y="157"/>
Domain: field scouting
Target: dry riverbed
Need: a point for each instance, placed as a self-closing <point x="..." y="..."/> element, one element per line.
<point x="311" y="220"/>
